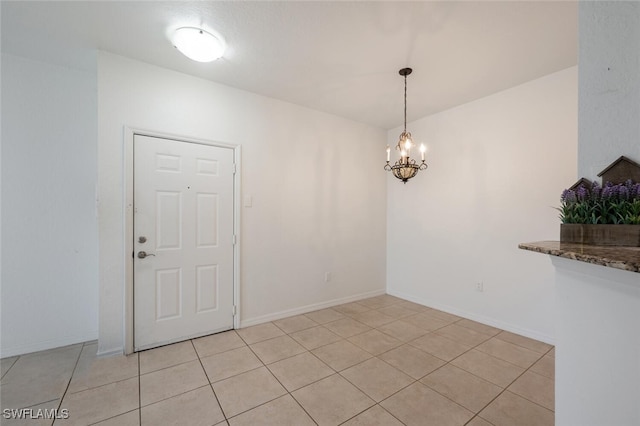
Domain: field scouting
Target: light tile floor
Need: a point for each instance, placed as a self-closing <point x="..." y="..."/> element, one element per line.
<point x="378" y="361"/>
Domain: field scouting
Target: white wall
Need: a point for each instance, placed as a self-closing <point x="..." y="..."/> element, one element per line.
<point x="497" y="166"/>
<point x="49" y="228"/>
<point x="316" y="181"/>
<point x="609" y="101"/>
<point x="597" y="378"/>
<point x="598" y="350"/>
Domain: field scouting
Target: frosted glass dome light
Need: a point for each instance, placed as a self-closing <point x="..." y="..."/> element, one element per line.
<point x="197" y="44"/>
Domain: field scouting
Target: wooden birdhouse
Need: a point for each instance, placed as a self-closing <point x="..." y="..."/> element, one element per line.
<point x="584" y="182"/>
<point x="620" y="171"/>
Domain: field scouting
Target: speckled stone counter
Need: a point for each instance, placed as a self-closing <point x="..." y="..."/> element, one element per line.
<point x="625" y="258"/>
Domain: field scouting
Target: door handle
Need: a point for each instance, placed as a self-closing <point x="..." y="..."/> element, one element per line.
<point x="143" y="254"/>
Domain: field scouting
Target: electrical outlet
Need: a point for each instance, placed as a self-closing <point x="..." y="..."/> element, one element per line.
<point x="479" y="287"/>
<point x="327" y="277"/>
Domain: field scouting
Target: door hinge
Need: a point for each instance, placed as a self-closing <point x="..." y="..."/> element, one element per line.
<point x="234" y="240"/>
<point x="235" y="310"/>
<point x="235" y="169"/>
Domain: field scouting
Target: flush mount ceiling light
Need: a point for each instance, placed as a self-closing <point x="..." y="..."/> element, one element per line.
<point x="405" y="168"/>
<point x="197" y="44"/>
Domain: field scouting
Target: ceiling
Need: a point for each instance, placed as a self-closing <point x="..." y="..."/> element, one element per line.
<point x="339" y="57"/>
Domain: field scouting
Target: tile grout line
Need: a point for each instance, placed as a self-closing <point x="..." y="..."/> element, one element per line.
<point x="523" y="397"/>
<point x="524" y="347"/>
<point x="102" y="385"/>
<point x="489" y="336"/>
<point x="539" y="356"/>
<point x="506" y="388"/>
<point x="73" y="372"/>
<point x="445" y="364"/>
<point x="113" y="417"/>
<point x="274" y="376"/>
<point x="287" y="333"/>
<point x="475" y="414"/>
<point x="291" y="393"/>
<point x="471" y="348"/>
<point x="314" y="355"/>
<point x="430" y="388"/>
<point x="479" y="350"/>
<point x="167" y="367"/>
<point x="11" y="366"/>
<point x="453" y="359"/>
<point x="369" y="408"/>
<point x="210" y="384"/>
<point x="107" y="384"/>
<point x="414" y="381"/>
<point x="377" y="357"/>
<point x="162" y="400"/>
<point x="265" y="366"/>
<point x="445" y="396"/>
<point x="139" y="391"/>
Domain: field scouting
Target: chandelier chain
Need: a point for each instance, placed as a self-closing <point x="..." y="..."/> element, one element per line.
<point x="405" y="103"/>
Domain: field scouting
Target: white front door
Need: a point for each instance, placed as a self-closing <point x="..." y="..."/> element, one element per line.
<point x="183" y="240"/>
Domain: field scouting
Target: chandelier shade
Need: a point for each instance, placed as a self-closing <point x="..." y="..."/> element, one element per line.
<point x="405" y="167"/>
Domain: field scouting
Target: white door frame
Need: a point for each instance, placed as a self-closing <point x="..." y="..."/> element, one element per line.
<point x="129" y="134"/>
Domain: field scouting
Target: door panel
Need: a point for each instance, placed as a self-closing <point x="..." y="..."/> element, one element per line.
<point x="183" y="221"/>
<point x="168" y="220"/>
<point x="207" y="220"/>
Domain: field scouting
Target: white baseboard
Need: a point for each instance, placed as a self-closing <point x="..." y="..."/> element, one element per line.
<point x="111" y="352"/>
<point x="478" y="318"/>
<point x="308" y="308"/>
<point x="43" y="345"/>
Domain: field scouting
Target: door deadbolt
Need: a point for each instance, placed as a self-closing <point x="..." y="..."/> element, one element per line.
<point x="142" y="239"/>
<point x="143" y="254"/>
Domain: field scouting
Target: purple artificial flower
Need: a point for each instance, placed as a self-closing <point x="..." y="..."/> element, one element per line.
<point x="563" y="196"/>
<point x="582" y="193"/>
<point x="615" y="191"/>
<point x="568" y="196"/>
<point x="623" y="192"/>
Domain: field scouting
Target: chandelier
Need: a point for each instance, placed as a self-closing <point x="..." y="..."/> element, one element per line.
<point x="406" y="167"/>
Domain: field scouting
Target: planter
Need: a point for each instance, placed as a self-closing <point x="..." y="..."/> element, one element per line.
<point x="600" y="235"/>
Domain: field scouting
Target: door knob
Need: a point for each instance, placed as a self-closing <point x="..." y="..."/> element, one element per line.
<point x="143" y="254"/>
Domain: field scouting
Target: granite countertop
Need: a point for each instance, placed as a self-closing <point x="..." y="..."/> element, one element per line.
<point x="625" y="258"/>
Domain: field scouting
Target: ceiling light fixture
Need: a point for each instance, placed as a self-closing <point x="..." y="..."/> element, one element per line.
<point x="405" y="168"/>
<point x="197" y="44"/>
